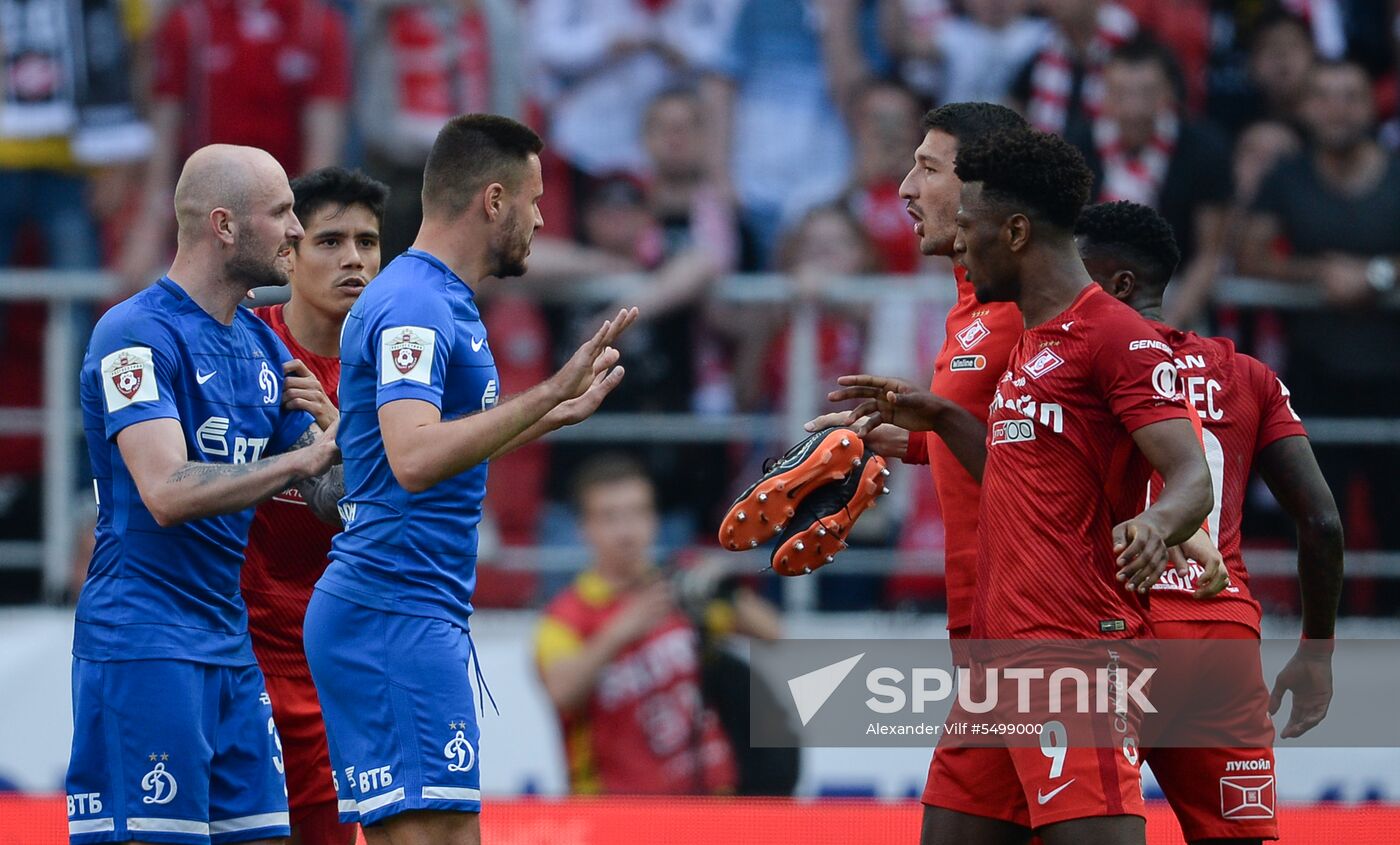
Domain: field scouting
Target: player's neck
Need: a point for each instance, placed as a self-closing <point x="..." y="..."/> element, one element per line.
<point x="217" y="295"/>
<point x="1057" y="277"/>
<point x="464" y="253"/>
<point x="314" y="330"/>
<point x="1150" y="310"/>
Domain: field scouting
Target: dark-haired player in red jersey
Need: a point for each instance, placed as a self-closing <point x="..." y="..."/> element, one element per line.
<point x="341" y="211"/>
<point x="1085" y="411"/>
<point x="978" y="340"/>
<point x="1247" y="422"/>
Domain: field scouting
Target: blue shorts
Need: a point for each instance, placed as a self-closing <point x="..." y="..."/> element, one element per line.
<point x="173" y="751"/>
<point x="400" y="716"/>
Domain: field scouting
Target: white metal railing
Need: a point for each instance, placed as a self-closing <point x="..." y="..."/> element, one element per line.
<point x="59" y="424"/>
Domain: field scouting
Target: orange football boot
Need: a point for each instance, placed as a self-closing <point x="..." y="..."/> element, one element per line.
<point x="825" y="517"/>
<point x="766" y="508"/>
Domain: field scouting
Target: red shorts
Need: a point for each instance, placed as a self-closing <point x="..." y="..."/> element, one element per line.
<point x="1081" y="766"/>
<point x="1015" y="784"/>
<point x="311" y="793"/>
<point x="1217" y="793"/>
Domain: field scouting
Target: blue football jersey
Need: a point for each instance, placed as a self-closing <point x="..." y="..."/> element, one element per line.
<point x="154" y="592"/>
<point x="415" y="333"/>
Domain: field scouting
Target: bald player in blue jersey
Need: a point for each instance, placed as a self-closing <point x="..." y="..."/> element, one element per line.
<point x="387" y="629"/>
<point x="194" y="412"/>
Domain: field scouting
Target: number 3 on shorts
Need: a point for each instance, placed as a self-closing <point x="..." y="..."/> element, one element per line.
<point x="1054" y="744"/>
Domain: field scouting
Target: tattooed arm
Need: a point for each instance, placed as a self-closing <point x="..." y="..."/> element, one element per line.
<point x="175" y="489"/>
<point x="321" y="492"/>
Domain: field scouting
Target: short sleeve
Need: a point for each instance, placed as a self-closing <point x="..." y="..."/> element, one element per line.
<point x="1277" y="418"/>
<point x="332" y="79"/>
<point x="138" y="369"/>
<point x="410" y="343"/>
<point x="171" y="53"/>
<point x="1135" y="374"/>
<point x="554" y="641"/>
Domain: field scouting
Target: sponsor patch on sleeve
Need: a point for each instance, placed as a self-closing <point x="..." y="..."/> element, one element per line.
<point x="961" y="363"/>
<point x="406" y="354"/>
<point x="128" y="377"/>
<point x="1164" y="380"/>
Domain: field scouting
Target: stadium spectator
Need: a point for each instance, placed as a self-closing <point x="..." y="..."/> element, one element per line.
<point x="1260" y="75"/>
<point x="69" y="141"/>
<point x="970" y="57"/>
<point x="611" y="57"/>
<point x="69" y="128"/>
<point x="827" y="244"/>
<point x="884" y="123"/>
<point x="620" y="662"/>
<point x="420" y="63"/>
<point x="617" y="220"/>
<point x="1335" y="210"/>
<point x="1144" y="149"/>
<point x="271" y="75"/>
<point x="778" y="141"/>
<point x="1184" y="26"/>
<point x="1260" y="147"/>
<point x="694" y="213"/>
<point x="1061" y="89"/>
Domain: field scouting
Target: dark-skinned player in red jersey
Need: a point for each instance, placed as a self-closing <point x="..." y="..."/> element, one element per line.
<point x="978" y="341"/>
<point x="341" y="211"/>
<point x="1248" y="423"/>
<point x="1084" y="413"/>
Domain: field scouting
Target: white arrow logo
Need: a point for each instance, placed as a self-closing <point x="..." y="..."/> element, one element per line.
<point x="810" y="691"/>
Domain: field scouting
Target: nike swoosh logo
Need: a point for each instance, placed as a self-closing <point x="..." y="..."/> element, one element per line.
<point x="477" y="343"/>
<point x="203" y="377"/>
<point x="1043" y="798"/>
<point x="1067" y="325"/>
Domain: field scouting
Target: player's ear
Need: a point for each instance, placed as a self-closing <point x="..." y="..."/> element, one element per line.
<point x="493" y="198"/>
<point x="1018" y="232"/>
<point x="221" y="221"/>
<point x="1123" y="283"/>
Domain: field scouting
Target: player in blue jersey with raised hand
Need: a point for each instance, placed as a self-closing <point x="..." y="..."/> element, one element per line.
<point x="194" y="412"/>
<point x="386" y="631"/>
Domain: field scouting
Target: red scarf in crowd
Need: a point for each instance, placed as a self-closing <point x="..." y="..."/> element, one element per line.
<point x="1137" y="175"/>
<point x="1053" y="74"/>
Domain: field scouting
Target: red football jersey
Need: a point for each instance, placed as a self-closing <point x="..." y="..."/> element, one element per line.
<point x="1062" y="470"/>
<point x="287" y="546"/>
<point x="1243" y="407"/>
<point x="976" y="347"/>
<point x="244" y="73"/>
<point x="645" y="729"/>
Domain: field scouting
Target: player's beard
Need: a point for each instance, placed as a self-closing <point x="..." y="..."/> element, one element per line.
<point x="511" y="246"/>
<point x="250" y="266"/>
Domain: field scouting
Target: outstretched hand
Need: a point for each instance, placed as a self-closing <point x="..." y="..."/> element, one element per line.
<point x="885" y="440"/>
<point x="597" y="354"/>
<point x="887" y="400"/>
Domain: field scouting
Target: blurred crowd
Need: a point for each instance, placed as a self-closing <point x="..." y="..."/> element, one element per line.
<point x="692" y="139"/>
